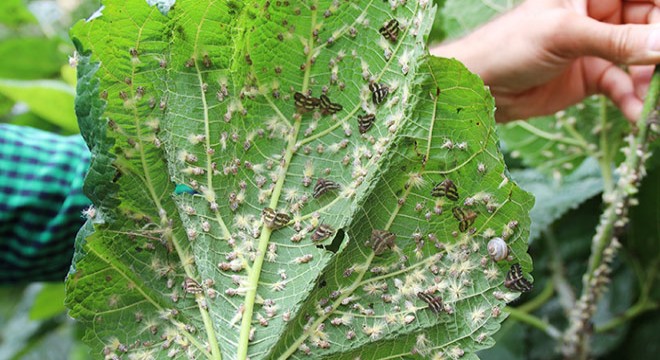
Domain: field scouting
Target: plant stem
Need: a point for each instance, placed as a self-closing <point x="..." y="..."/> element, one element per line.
<point x="533" y="321"/>
<point x="538" y="301"/>
<point x="643" y="304"/>
<point x="522" y="312"/>
<point x="641" y="307"/>
<point x="612" y="222"/>
<point x="564" y="289"/>
<point x="605" y="160"/>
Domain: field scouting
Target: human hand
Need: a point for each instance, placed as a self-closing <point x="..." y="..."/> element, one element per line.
<point x="546" y="55"/>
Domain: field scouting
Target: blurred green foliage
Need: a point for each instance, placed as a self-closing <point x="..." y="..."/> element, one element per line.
<point x="37" y="87"/>
<point x="37" y="84"/>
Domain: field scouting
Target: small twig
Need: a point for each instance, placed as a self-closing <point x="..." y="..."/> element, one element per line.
<point x="643" y="304"/>
<point x="605" y="160"/>
<point x="533" y="321"/>
<point x="539" y="300"/>
<point x="613" y="221"/>
<point x="636" y="310"/>
<point x="564" y="289"/>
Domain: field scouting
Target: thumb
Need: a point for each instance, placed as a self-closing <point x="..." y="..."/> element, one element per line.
<point x="620" y="44"/>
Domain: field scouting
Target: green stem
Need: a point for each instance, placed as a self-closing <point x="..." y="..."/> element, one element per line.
<point x="564" y="289"/>
<point x="539" y="300"/>
<point x="641" y="307"/>
<point x="552" y="136"/>
<point x="605" y="158"/>
<point x="262" y="249"/>
<point x="643" y="304"/>
<point x="580" y="139"/>
<point x="264" y="239"/>
<point x="533" y="321"/>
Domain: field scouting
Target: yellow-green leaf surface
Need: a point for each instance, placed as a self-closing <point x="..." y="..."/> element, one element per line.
<point x="50" y="99"/>
<point x="194" y="132"/>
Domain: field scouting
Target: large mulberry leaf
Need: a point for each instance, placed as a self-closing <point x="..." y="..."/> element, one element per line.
<point x="228" y="206"/>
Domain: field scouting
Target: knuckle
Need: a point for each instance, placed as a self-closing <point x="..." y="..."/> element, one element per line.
<point x="621" y="43"/>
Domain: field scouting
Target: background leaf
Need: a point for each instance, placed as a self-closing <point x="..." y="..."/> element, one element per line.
<point x="555" y="197"/>
<point x="30" y="58"/>
<point x="558" y="144"/>
<point x="50" y="99"/>
<point x="462" y="16"/>
<point x="14" y="13"/>
<point x="49" y="302"/>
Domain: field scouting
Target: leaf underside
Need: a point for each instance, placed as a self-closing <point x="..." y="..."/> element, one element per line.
<point x="203" y="100"/>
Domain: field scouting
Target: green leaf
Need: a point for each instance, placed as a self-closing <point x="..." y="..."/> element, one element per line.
<point x="555" y="197"/>
<point x="204" y="98"/>
<point x="50" y="99"/>
<point x="32" y="120"/>
<point x="14" y="13"/>
<point x="22" y="337"/>
<point x="378" y="298"/>
<point x="461" y="16"/>
<point x="30" y="58"/>
<point x="6" y="105"/>
<point x="49" y="302"/>
<point x="558" y="144"/>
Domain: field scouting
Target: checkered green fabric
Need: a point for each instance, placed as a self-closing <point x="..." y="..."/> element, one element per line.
<point x="41" y="177"/>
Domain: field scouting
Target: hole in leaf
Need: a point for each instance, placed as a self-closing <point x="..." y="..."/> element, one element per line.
<point x="336" y="242"/>
<point x="320" y="282"/>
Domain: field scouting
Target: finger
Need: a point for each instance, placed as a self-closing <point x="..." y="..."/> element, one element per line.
<point x="641" y="77"/>
<point x="640" y="13"/>
<point x="616" y="84"/>
<point x="621" y="44"/>
<point x="605" y="10"/>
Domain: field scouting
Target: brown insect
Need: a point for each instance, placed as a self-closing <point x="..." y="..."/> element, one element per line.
<point x="323" y="185"/>
<point x="322" y="232"/>
<point x="516" y="281"/>
<point x="465" y="218"/>
<point x="446" y="188"/>
<point x="273" y="219"/>
<point x="434" y="302"/>
<point x="328" y="107"/>
<point x="390" y="31"/>
<point x="382" y="240"/>
<point x="378" y="92"/>
<point x="191" y="286"/>
<point x="305" y="103"/>
<point x="365" y="122"/>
